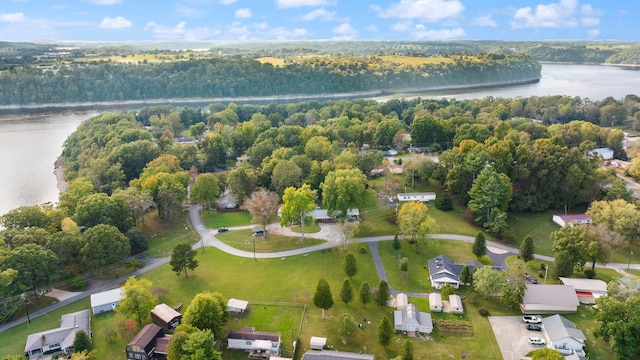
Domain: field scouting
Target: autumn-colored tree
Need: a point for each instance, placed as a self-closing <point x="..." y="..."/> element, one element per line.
<point x="414" y="221"/>
<point x="263" y="206"/>
<point x="138" y="299"/>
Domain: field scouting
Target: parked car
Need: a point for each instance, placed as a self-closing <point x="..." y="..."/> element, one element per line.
<point x="530" y="319"/>
<point x="231" y="206"/>
<point x="534" y="327"/>
<point x="530" y="278"/>
<point x="223" y="229"/>
<point x="536" y="341"/>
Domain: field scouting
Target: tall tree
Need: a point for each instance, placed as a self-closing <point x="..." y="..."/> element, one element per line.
<point x="365" y="293"/>
<point x="207" y="311"/>
<point x="619" y="325"/>
<point x="526" y="249"/>
<point x="242" y="181"/>
<point x="297" y="203"/>
<point x="344" y="189"/>
<point x="37" y="267"/>
<point x="214" y="149"/>
<point x="205" y="190"/>
<point x="490" y="191"/>
<point x="414" y="220"/>
<point x="617" y="215"/>
<point x="183" y="258"/>
<point x="188" y="343"/>
<point x="466" y="276"/>
<point x="479" y="248"/>
<point x="407" y="350"/>
<point x="349" y="265"/>
<point x="346" y="292"/>
<point x="382" y="293"/>
<point x="563" y="265"/>
<point x="103" y="245"/>
<point x="322" y="297"/>
<point x="82" y="342"/>
<point x="263" y="206"/>
<point x="347" y="326"/>
<point x="138" y="299"/>
<point x="285" y="174"/>
<point x="385" y="332"/>
<point x="513" y="288"/>
<point x="487" y="282"/>
<point x="99" y="208"/>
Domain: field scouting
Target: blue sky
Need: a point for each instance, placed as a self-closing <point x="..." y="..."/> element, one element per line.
<point x="121" y="20"/>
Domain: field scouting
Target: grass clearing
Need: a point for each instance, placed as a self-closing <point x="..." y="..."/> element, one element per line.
<point x="243" y="240"/>
<point x="416" y="60"/>
<point x="308" y="228"/>
<point x="163" y="239"/>
<point x="213" y="219"/>
<point x="538" y="226"/>
<point x="271" y="60"/>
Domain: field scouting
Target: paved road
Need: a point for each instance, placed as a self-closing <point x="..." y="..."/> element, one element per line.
<point x="208" y="239"/>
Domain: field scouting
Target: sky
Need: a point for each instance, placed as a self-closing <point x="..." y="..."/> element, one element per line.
<point x="234" y="20"/>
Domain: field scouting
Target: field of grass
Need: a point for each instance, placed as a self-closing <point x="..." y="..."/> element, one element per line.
<point x="308" y="228"/>
<point x="414" y="60"/>
<point x="163" y="239"/>
<point x="213" y="219"/>
<point x="271" y="60"/>
<point x="538" y="226"/>
<point x="243" y="240"/>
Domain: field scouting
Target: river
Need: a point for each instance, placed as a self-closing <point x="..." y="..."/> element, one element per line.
<point x="29" y="145"/>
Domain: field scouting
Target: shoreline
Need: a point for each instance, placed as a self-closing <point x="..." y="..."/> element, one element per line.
<point x="58" y="171"/>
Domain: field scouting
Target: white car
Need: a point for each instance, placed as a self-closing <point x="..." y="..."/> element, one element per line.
<point x="536" y="341"/>
<point x="530" y="319"/>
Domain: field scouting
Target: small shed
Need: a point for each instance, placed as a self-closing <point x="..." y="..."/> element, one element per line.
<point x="166" y="317"/>
<point x="435" y="302"/>
<point x="106" y="300"/>
<point x="317" y="343"/>
<point x="401" y="301"/>
<point x="236" y="306"/>
<point x="456" y="304"/>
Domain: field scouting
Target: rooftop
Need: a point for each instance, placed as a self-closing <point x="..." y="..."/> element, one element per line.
<point x="588" y="285"/>
<point x="550" y="294"/>
<point x="106" y="297"/>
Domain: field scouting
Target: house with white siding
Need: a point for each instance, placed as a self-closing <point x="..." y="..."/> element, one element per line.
<point x="435" y="302"/>
<point x="106" y="300"/>
<point x="563" y="334"/>
<point x="256" y="343"/>
<point x="59" y="340"/>
<point x="422" y="197"/>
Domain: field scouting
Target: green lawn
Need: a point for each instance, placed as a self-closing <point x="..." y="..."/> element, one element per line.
<point x="243" y="240"/>
<point x="213" y="219"/>
<point x="163" y="239"/>
<point x="538" y="226"/>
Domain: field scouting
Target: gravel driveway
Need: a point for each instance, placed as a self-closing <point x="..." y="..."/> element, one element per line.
<point x="513" y="336"/>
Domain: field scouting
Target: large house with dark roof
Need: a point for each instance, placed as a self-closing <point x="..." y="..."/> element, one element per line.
<point x="149" y="344"/>
<point x="60" y="339"/>
<point x="443" y="270"/>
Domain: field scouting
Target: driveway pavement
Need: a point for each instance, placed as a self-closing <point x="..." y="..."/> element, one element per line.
<point x="513" y="336"/>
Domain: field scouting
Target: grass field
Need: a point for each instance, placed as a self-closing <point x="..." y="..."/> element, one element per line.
<point x="271" y="60"/>
<point x="538" y="226"/>
<point x="308" y="228"/>
<point x="414" y="60"/>
<point x="243" y="240"/>
<point x="163" y="239"/>
<point x="213" y="219"/>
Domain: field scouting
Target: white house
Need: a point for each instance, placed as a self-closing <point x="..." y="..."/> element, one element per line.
<point x="549" y="299"/>
<point x="237" y="306"/>
<point x="435" y="302"/>
<point x="410" y="319"/>
<point x="587" y="290"/>
<point x="563" y="334"/>
<point x="423" y="197"/>
<point x="456" y="304"/>
<point x="443" y="270"/>
<point x="60" y="339"/>
<point x="106" y="300"/>
<point x="317" y="343"/>
<point x="571" y="219"/>
<point x="604" y="153"/>
<point x="334" y="355"/>
<point x="257" y="343"/>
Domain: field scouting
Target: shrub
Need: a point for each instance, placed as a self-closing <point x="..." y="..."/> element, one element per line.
<point x="483" y="311"/>
<point x="76" y="282"/>
<point x="590" y="273"/>
<point x="362" y="250"/>
<point x="543" y="266"/>
<point x="447" y="290"/>
<point x="134" y="264"/>
<point x="127" y="328"/>
<point x="444" y="202"/>
<point x="110" y="335"/>
<point x="541" y="274"/>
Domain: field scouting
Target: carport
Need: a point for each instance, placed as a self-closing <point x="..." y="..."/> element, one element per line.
<point x="513" y="337"/>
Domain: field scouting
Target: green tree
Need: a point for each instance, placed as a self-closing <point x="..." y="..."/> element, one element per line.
<point x="207" y="311"/>
<point x="365" y="293"/>
<point x="197" y="130"/>
<point x="479" y="248"/>
<point x="137" y="200"/>
<point x="347" y="326"/>
<point x="403" y="263"/>
<point x="563" y="265"/>
<point x="322" y="297"/>
<point x="446" y="290"/>
<point x="407" y="350"/>
<point x="385" y="332"/>
<point x="414" y="220"/>
<point x="138" y="299"/>
<point x="214" y="150"/>
<point x="205" y="190"/>
<point x="25" y="217"/>
<point x="487" y="282"/>
<point x="382" y="293"/>
<point x="396" y="243"/>
<point x="619" y="325"/>
<point x="137" y="241"/>
<point x="546" y="354"/>
<point x="526" y="249"/>
<point x="103" y="245"/>
<point x="37" y="267"/>
<point x="82" y="342"/>
<point x="573" y="241"/>
<point x="78" y="189"/>
<point x="466" y="276"/>
<point x="490" y="191"/>
<point x="344" y="189"/>
<point x="513" y="288"/>
<point x="618" y="190"/>
<point x="297" y="203"/>
<point x="242" y="181"/>
<point x="618" y="215"/>
<point x="192" y="344"/>
<point x="349" y="265"/>
<point x="183" y="258"/>
<point x="99" y="208"/>
<point x="263" y="206"/>
<point x="346" y="292"/>
<point x="285" y="174"/>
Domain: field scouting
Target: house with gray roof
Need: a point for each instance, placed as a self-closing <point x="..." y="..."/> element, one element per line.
<point x="257" y="343"/>
<point x="549" y="299"/>
<point x="335" y="355"/>
<point x="60" y="339"/>
<point x="564" y="335"/>
<point x="443" y="270"/>
<point x="408" y="318"/>
<point x="571" y="219"/>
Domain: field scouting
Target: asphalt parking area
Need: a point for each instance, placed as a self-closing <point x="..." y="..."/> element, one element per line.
<point x="513" y="336"/>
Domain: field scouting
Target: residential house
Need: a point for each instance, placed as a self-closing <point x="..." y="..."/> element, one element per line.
<point x="443" y="270"/>
<point x="408" y="318"/>
<point x="435" y="302"/>
<point x="549" y="299"/>
<point x="236" y="306"/>
<point x="59" y="339"/>
<point x="257" y="343"/>
<point x="322" y="215"/>
<point x="571" y="219"/>
<point x="334" y="355"/>
<point x="422" y="197"/>
<point x="563" y="334"/>
<point x="143" y="345"/>
<point x="455" y="301"/>
<point x="587" y="290"/>
<point x="106" y="300"/>
<point x="604" y="153"/>
<point x="166" y="317"/>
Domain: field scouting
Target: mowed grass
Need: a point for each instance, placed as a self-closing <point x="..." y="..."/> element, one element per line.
<point x="213" y="219"/>
<point x="308" y="228"/>
<point x="538" y="226"/>
<point x="243" y="240"/>
<point x="415" y="60"/>
<point x="162" y="238"/>
<point x="271" y="60"/>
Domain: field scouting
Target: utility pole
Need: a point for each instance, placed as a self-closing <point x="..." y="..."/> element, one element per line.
<point x="26" y="308"/>
<point x="546" y="269"/>
<point x="629" y="263"/>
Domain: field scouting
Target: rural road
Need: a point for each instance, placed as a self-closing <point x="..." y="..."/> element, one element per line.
<point x="496" y="251"/>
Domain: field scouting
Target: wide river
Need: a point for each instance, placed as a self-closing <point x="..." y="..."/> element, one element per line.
<point x="29" y="145"/>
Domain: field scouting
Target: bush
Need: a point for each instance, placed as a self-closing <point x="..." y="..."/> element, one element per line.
<point x="110" y="335"/>
<point x="483" y="311"/>
<point x="76" y="282"/>
<point x="541" y="274"/>
<point x="590" y="273"/>
<point x="435" y="148"/>
<point x="447" y="290"/>
<point x="362" y="250"/>
<point x="543" y="266"/>
<point x="444" y="202"/>
<point x="134" y="264"/>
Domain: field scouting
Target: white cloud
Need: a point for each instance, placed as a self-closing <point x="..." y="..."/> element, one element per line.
<point x="425" y="10"/>
<point x="345" y="30"/>
<point x="243" y="13"/>
<point x="227" y="2"/>
<point x="234" y="31"/>
<point x="593" y="33"/>
<point x="588" y="10"/>
<point x="300" y="3"/>
<point x="320" y="13"/>
<point x="561" y="14"/>
<point x="484" y="21"/>
<point x="422" y="33"/>
<point x="12" y="17"/>
<point x="116" y="23"/>
<point x="106" y="2"/>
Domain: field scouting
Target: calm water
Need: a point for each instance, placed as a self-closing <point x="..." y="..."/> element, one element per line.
<point x="30" y="145"/>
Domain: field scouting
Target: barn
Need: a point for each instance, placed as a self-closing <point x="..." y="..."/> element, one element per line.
<point x="549" y="299"/>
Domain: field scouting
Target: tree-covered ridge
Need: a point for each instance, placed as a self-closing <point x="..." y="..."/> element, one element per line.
<point x="228" y="77"/>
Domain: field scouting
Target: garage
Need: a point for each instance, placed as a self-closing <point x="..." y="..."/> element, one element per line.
<point x="513" y="337"/>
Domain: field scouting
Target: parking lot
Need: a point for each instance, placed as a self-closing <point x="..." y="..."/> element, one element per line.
<point x="513" y="336"/>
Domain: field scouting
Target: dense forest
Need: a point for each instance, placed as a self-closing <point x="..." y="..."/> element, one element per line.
<point x="228" y="77"/>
